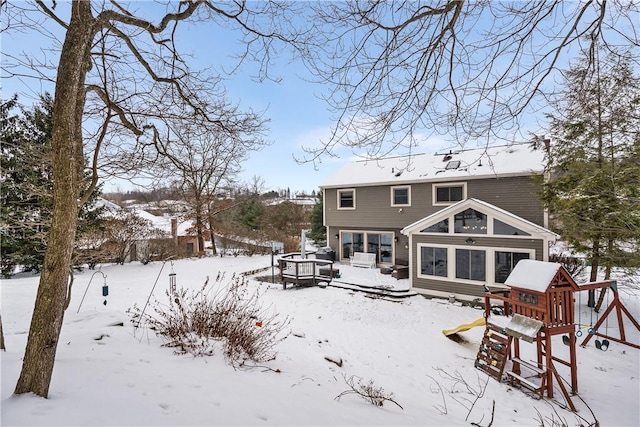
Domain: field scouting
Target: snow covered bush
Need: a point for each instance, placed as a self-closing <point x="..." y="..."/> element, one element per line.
<point x="227" y="314"/>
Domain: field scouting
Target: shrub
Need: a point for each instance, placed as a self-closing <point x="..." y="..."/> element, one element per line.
<point x="367" y="391"/>
<point x="193" y="321"/>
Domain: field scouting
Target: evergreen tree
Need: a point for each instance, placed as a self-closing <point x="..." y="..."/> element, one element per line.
<point x="249" y="213"/>
<point x="318" y="232"/>
<point x="594" y="188"/>
<point x="27" y="185"/>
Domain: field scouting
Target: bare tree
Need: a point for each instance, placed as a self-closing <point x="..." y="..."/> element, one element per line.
<point x="470" y="69"/>
<point x="118" y="73"/>
<point x="122" y="233"/>
<point x="206" y="160"/>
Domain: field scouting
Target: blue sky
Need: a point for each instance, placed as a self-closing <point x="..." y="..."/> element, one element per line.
<point x="297" y="117"/>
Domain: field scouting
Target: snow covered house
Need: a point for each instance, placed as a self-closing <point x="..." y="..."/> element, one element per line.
<point x="460" y="220"/>
<point x="149" y="237"/>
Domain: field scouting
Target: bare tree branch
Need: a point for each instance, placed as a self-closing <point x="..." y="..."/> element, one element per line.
<point x="401" y="71"/>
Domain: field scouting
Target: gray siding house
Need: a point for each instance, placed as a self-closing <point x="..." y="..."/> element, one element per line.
<point x="460" y="220"/>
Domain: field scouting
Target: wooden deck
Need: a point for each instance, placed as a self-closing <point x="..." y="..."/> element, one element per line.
<point x="305" y="272"/>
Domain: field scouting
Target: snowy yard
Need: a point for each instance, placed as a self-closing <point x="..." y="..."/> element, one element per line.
<point x="112" y="375"/>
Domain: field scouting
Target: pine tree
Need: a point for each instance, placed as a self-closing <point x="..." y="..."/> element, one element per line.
<point x="318" y="232"/>
<point x="594" y="190"/>
<point x="27" y="185"/>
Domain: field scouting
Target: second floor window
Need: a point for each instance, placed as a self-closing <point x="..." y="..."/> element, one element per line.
<point x="449" y="193"/>
<point x="347" y="199"/>
<point x="401" y="196"/>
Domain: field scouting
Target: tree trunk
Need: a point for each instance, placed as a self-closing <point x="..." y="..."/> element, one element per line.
<point x="2" y="347"/>
<point x="68" y="163"/>
<point x="211" y="234"/>
<point x="607" y="276"/>
<point x="200" y="233"/>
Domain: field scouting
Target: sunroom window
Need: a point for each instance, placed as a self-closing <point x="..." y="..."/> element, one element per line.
<point x="505" y="229"/>
<point x="433" y="261"/>
<point x="470" y="221"/>
<point x="471" y="264"/>
<point x="439" y="227"/>
<point x="504" y="263"/>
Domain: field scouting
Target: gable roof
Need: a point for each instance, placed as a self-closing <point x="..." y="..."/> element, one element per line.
<point x="486" y="208"/>
<point x="536" y="275"/>
<point x="486" y="162"/>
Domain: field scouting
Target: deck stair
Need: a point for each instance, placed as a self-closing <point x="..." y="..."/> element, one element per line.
<point x="378" y="291"/>
<point x="494" y="351"/>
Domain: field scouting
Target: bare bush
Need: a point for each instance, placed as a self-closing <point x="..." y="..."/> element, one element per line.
<point x="461" y="391"/>
<point x="368" y="391"/>
<point x="229" y="313"/>
<point x="574" y="265"/>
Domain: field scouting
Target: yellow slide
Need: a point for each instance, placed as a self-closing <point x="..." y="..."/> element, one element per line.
<point x="465" y="327"/>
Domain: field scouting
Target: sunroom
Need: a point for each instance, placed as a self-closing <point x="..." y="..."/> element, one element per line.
<point x="470" y="246"/>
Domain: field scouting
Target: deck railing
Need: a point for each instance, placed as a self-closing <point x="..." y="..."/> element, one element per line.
<point x="308" y="271"/>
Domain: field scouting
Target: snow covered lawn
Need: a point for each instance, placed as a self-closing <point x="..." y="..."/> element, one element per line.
<point x="113" y="375"/>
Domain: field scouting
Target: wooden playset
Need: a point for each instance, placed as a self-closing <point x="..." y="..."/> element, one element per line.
<point x="539" y="305"/>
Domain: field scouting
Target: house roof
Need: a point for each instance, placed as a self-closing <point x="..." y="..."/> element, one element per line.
<point x="163" y="223"/>
<point x="301" y="201"/>
<point x="506" y="160"/>
<point x="484" y="207"/>
<point x="109" y="206"/>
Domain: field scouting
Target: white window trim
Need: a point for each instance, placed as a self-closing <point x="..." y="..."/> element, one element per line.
<point x="434" y="192"/>
<point x="366" y="240"/>
<point x="400" y="187"/>
<point x="419" y="263"/>
<point x="344" y="190"/>
<point x="490" y="270"/>
<point x="490" y="233"/>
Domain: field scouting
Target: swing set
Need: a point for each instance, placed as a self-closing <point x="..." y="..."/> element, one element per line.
<point x="591" y="330"/>
<point x="615" y="306"/>
<point x="539" y="304"/>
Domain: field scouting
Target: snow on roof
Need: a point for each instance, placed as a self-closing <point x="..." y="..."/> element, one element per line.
<point x="163" y="223"/>
<point x="511" y="160"/>
<point x="532" y="274"/>
<point x="104" y="203"/>
<point x="301" y="201"/>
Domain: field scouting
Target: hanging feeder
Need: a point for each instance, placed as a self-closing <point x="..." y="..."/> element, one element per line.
<point x="172" y="283"/>
<point x="105" y="289"/>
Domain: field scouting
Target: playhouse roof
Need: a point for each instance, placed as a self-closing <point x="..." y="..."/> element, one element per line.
<point x="533" y="275"/>
<point x="483" y="162"/>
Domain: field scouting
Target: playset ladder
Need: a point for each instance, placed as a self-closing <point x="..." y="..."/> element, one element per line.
<point x="494" y="351"/>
